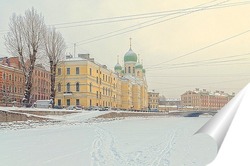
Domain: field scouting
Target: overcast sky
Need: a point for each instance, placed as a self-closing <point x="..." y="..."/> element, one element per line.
<point x="180" y="52"/>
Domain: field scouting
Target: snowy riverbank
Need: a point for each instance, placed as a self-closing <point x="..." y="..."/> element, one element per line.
<point x="78" y="140"/>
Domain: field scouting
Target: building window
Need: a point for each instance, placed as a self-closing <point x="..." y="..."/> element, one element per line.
<point x="3" y="75"/>
<point x="68" y="102"/>
<point x="77" y="87"/>
<point x="59" y="87"/>
<point x="129" y="70"/>
<point x="97" y="94"/>
<point x="68" y="71"/>
<point x="77" y="70"/>
<point x="90" y="102"/>
<point x="96" y="71"/>
<point x="9" y="77"/>
<point x="100" y="95"/>
<point x="68" y="87"/>
<point x="59" y="71"/>
<point x="59" y="102"/>
<point x="77" y="102"/>
<point x="97" y="80"/>
<point x="100" y="81"/>
<point x="90" y="71"/>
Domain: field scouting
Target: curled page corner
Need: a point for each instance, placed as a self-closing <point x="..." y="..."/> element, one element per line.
<point x="219" y="125"/>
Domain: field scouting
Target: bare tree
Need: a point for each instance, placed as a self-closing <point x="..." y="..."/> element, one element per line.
<point x="24" y="40"/>
<point x="54" y="49"/>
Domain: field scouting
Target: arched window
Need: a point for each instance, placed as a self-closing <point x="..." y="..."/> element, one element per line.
<point x="129" y="70"/>
<point x="59" y="87"/>
<point x="90" y="87"/>
<point x="77" y="87"/>
<point x="68" y="87"/>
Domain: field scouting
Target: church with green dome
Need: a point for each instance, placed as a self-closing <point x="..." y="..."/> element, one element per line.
<point x="131" y="66"/>
<point x="133" y="81"/>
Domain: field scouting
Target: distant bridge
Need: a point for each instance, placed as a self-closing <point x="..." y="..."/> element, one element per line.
<point x="198" y="113"/>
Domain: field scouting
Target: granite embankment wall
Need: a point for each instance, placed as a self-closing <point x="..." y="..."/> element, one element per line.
<point x="24" y="115"/>
<point x="6" y="116"/>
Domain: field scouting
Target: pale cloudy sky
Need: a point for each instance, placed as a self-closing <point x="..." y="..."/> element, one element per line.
<point x="164" y="47"/>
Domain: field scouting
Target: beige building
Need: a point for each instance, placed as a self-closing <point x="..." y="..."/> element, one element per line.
<point x="82" y="81"/>
<point x="153" y="100"/>
<point x="204" y="100"/>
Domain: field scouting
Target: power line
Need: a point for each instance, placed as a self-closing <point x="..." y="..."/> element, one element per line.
<point x="116" y="19"/>
<point x="126" y="18"/>
<point x="100" y="37"/>
<point x="199" y="85"/>
<point x="140" y="16"/>
<point x="202" y="48"/>
<point x="212" y="59"/>
<point x="109" y="34"/>
<point x="197" y="76"/>
<point x="181" y="65"/>
<point x="145" y="15"/>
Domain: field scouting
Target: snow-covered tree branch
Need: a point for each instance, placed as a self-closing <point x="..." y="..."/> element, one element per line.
<point x="55" y="47"/>
<point x="25" y="40"/>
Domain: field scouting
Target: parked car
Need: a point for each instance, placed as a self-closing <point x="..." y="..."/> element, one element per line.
<point x="79" y="107"/>
<point x="90" y="108"/>
<point x="42" y="104"/>
<point x="96" y="108"/>
<point x="102" y="109"/>
<point x="71" y="107"/>
<point x="58" y="107"/>
<point x="154" y="110"/>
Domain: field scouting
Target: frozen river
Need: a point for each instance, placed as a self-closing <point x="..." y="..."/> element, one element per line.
<point x="131" y="141"/>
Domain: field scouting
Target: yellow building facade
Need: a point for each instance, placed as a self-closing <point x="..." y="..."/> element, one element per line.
<point x="82" y="81"/>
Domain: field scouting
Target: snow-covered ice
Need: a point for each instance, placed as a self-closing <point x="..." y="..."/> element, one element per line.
<point x="78" y="141"/>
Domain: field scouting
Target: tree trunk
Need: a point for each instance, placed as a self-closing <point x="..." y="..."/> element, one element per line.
<point x="53" y="81"/>
<point x="28" y="86"/>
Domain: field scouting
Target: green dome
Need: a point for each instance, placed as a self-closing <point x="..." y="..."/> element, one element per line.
<point x="118" y="67"/>
<point x="138" y="66"/>
<point x="143" y="70"/>
<point x="130" y="56"/>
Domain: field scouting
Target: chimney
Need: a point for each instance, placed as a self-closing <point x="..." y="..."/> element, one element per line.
<point x="84" y="56"/>
<point x="69" y="56"/>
